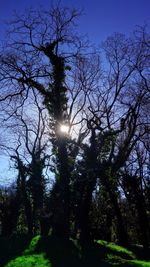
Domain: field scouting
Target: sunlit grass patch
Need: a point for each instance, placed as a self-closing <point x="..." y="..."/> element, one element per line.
<point x="29" y="261"/>
<point x="33" y="245"/>
<point x="137" y="263"/>
<point x="119" y="254"/>
<point x="115" y="260"/>
<point x="116" y="248"/>
<point x="12" y="247"/>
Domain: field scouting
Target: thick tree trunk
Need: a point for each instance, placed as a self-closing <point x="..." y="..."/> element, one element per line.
<point x="83" y="217"/>
<point x="90" y="182"/>
<point x="27" y="205"/>
<point x="136" y="196"/>
<point x="57" y="106"/>
<point x="122" y="234"/>
<point x="28" y="213"/>
<point x="61" y="216"/>
<point x="143" y="220"/>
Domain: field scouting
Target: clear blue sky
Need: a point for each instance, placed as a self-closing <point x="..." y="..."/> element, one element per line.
<point x="101" y="18"/>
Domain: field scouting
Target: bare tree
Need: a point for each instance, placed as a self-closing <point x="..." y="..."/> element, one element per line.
<point x="28" y="150"/>
<point x="36" y="58"/>
<point x="115" y="118"/>
<point x="45" y="56"/>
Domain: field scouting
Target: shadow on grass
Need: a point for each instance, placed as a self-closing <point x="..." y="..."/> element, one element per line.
<point x="142" y="254"/>
<point x="69" y="254"/>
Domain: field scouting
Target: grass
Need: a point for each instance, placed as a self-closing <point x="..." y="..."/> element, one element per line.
<point x="29" y="261"/>
<point x="33" y="244"/>
<point x="54" y="252"/>
<point x="138" y="263"/>
<point x="120" y="256"/>
<point x="11" y="247"/>
<point x="124" y="252"/>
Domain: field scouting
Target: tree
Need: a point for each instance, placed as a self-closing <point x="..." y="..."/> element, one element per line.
<point x="9" y="210"/>
<point x="45" y="37"/>
<point x="133" y="183"/>
<point x="27" y="149"/>
<point x="103" y="108"/>
<point x="116" y="115"/>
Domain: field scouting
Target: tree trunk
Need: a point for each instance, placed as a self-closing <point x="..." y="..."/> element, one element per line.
<point x="90" y="182"/>
<point x="83" y="217"/>
<point x="61" y="216"/>
<point x="143" y="220"/>
<point x="122" y="235"/>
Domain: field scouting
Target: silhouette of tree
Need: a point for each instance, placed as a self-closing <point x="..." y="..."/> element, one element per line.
<point x="103" y="106"/>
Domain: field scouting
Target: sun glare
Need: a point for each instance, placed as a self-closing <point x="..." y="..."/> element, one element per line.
<point x="64" y="128"/>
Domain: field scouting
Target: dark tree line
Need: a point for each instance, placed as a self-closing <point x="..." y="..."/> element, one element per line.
<point x="78" y="131"/>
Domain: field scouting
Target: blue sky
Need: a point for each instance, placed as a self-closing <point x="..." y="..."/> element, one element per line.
<point x="101" y="18"/>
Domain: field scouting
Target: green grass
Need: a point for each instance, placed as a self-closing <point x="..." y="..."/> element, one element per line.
<point x="11" y="247"/>
<point x="120" y="256"/>
<point x="137" y="263"/>
<point x="30" y="261"/>
<point x="54" y="252"/>
<point x="120" y="262"/>
<point x="33" y="244"/>
<point x="117" y="249"/>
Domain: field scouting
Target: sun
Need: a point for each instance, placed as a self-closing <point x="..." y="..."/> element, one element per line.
<point x="64" y="128"/>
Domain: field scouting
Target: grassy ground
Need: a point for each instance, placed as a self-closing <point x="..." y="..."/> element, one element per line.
<point x="51" y="252"/>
